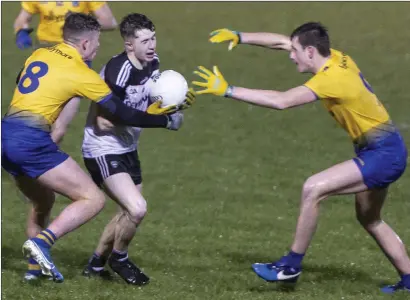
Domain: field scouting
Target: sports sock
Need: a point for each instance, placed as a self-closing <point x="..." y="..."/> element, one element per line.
<point x="295" y="259"/>
<point x="406" y="280"/>
<point x="119" y="255"/>
<point x="45" y="239"/>
<point x="97" y="261"/>
<point x="33" y="267"/>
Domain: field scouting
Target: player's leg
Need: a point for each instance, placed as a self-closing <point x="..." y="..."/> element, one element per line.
<point x="122" y="188"/>
<point x="41" y="199"/>
<point x="41" y="202"/>
<point x="377" y="165"/>
<point x="70" y="180"/>
<point x="344" y="178"/>
<point x="134" y="208"/>
<point x="30" y="151"/>
<point x="96" y="263"/>
<point x="120" y="231"/>
<point x="368" y="211"/>
<point x="99" y="170"/>
<point x="121" y="178"/>
<point x="106" y="242"/>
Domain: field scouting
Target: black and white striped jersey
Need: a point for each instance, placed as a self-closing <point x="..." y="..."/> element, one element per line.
<point x="131" y="84"/>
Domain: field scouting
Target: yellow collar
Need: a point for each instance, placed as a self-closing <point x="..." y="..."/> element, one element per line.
<point x="69" y="50"/>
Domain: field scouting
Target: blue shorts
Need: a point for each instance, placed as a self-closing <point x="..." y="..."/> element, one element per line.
<point x="27" y="150"/>
<point x="383" y="162"/>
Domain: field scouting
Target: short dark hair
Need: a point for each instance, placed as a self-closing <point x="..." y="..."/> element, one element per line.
<point x="132" y="22"/>
<point x="313" y="34"/>
<point x="78" y="23"/>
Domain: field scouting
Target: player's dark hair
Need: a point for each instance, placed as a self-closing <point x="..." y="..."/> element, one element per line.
<point x="77" y="24"/>
<point x="313" y="34"/>
<point x="133" y="22"/>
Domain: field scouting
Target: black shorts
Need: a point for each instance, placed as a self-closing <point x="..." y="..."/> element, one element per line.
<point x="104" y="166"/>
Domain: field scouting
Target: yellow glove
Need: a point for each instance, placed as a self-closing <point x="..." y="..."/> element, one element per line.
<point x="225" y="35"/>
<point x="189" y="100"/>
<point x="215" y="82"/>
<point x="156" y="109"/>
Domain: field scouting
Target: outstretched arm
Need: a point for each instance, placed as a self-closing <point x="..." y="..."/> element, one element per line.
<point x="216" y="84"/>
<point x="267" y="40"/>
<point x="263" y="39"/>
<point x="273" y="99"/>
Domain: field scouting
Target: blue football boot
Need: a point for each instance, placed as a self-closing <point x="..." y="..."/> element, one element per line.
<point x="33" y="276"/>
<point x="43" y="257"/>
<point x="277" y="271"/>
<point x="390" y="289"/>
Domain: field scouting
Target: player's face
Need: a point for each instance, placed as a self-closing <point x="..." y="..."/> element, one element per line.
<point x="90" y="45"/>
<point x="301" y="57"/>
<point x="143" y="45"/>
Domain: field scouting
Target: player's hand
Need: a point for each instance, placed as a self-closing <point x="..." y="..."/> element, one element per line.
<point x="215" y="83"/>
<point x="57" y="134"/>
<point x="156" y="109"/>
<point x="189" y="100"/>
<point x="23" y="39"/>
<point x="175" y="120"/>
<point x="103" y="124"/>
<point x="225" y="35"/>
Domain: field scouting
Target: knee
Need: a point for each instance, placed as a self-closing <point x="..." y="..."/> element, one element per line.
<point x="137" y="213"/>
<point x="98" y="200"/>
<point x="311" y="192"/>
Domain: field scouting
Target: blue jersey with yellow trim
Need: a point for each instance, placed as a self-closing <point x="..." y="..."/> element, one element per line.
<point x="349" y="98"/>
<point x="50" y="78"/>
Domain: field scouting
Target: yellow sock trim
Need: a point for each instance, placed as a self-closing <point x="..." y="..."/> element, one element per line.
<point x="32" y="267"/>
<point x="40" y="236"/>
<point x="47" y="234"/>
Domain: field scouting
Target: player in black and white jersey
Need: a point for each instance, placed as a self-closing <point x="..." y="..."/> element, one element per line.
<point x="130" y="80"/>
<point x="110" y="151"/>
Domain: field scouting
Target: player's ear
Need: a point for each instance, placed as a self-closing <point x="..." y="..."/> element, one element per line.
<point x="85" y="44"/>
<point x="128" y="46"/>
<point x="310" y="51"/>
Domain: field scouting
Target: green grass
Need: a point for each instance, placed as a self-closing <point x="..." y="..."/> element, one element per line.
<point x="224" y="191"/>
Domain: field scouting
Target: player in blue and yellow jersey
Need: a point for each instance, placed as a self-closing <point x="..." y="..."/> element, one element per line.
<point x="52" y="16"/>
<point x="49" y="32"/>
<point x="380" y="151"/>
<point x="50" y="78"/>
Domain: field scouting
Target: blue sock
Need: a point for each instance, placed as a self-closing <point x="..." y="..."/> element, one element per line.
<point x="33" y="267"/>
<point x="45" y="239"/>
<point x="295" y="259"/>
<point x="406" y="280"/>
